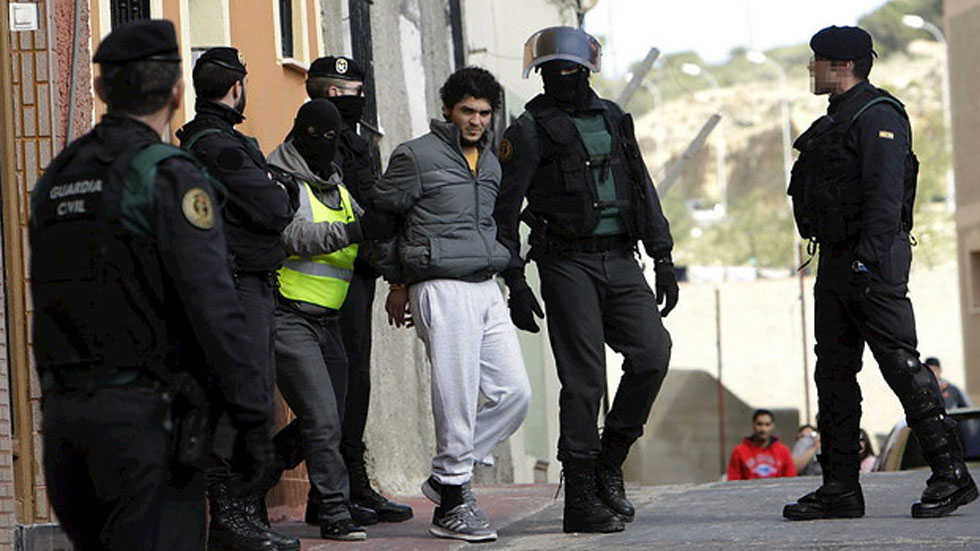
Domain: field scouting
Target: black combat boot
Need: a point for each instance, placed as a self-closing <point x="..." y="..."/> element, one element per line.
<point x="364" y="496"/>
<point x="609" y="474"/>
<point x="256" y="513"/>
<point x="950" y="485"/>
<point x="832" y="500"/>
<point x="840" y="496"/>
<point x="231" y="529"/>
<point x="584" y="511"/>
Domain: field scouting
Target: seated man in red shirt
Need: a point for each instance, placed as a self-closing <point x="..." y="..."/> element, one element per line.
<point x="761" y="455"/>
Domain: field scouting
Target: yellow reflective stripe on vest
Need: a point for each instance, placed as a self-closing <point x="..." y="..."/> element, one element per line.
<point x="322" y="279"/>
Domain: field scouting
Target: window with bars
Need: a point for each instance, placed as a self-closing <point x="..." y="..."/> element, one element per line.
<point x="128" y="10"/>
<point x="286" y="27"/>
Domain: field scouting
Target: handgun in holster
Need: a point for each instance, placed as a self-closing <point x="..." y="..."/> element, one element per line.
<point x="189" y="421"/>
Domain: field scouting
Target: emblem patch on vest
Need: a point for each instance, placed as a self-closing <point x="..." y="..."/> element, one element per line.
<point x="198" y="209"/>
<point x="886" y="135"/>
<point x="506" y="150"/>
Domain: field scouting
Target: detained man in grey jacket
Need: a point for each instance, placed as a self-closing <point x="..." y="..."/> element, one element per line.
<point x="443" y="186"/>
<point x="311" y="365"/>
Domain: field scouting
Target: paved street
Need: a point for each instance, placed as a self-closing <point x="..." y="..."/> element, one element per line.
<point x="730" y="516"/>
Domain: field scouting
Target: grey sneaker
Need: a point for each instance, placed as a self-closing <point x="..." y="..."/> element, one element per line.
<point x="432" y="490"/>
<point x="461" y="523"/>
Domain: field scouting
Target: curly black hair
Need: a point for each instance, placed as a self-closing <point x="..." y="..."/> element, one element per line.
<point x="470" y="81"/>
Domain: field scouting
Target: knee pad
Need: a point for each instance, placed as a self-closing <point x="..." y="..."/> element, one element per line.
<point x="905" y="374"/>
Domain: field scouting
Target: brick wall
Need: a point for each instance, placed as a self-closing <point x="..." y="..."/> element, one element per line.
<point x="39" y="88"/>
<point x="34" y="143"/>
<point x="7" y="502"/>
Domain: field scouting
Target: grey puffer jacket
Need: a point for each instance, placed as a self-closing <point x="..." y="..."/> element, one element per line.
<point x="448" y="230"/>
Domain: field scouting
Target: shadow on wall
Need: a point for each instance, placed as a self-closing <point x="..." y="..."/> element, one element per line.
<point x="681" y="441"/>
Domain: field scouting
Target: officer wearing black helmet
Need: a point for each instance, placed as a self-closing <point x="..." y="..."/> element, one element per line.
<point x="575" y="158"/>
<point x="136" y="317"/>
<point x="340" y="80"/>
<point x="257" y="208"/>
<point x="853" y="189"/>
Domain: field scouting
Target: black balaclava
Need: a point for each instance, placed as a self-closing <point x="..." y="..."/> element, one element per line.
<point x="315" y="134"/>
<point x="567" y="90"/>
<point x="351" y="108"/>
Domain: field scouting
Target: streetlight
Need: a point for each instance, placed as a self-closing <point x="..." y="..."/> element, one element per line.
<point x="695" y="70"/>
<point x="917" y="22"/>
<point x="760" y="58"/>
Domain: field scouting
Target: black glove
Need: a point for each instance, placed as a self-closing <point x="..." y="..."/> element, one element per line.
<point x="373" y="226"/>
<point x="289" y="182"/>
<point x="253" y="457"/>
<point x="524" y="306"/>
<point x="667" y="290"/>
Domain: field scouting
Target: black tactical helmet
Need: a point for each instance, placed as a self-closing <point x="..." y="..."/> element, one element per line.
<point x="566" y="43"/>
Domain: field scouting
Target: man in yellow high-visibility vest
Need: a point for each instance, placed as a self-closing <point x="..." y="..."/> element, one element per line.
<point x="310" y="360"/>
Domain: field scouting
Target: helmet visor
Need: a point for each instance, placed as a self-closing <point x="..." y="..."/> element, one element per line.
<point x="567" y="43"/>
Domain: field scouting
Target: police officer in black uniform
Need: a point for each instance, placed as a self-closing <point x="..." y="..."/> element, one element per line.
<point x="575" y="158"/>
<point x="853" y="189"/>
<point x="136" y="316"/>
<point x="257" y="208"/>
<point x="341" y="80"/>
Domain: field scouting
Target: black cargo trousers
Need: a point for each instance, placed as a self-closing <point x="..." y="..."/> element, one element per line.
<point x="593" y="299"/>
<point x="257" y="294"/>
<point x="107" y="463"/>
<point x="851" y="309"/>
<point x="355" y="327"/>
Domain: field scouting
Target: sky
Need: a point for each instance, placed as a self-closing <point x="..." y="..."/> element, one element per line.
<point x="711" y="27"/>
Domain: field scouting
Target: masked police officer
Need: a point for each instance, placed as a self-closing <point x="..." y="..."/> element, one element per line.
<point x="341" y="80"/>
<point x="257" y="208"/>
<point x="575" y="158"/>
<point x="135" y="313"/>
<point x="853" y="189"/>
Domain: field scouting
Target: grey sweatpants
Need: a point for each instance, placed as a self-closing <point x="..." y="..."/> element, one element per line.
<point x="474" y="352"/>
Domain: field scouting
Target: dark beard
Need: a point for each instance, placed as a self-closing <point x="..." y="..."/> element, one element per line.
<point x="468" y="143"/>
<point x="240" y="105"/>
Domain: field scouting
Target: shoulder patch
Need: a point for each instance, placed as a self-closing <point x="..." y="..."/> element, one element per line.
<point x="886" y="134"/>
<point x="506" y="150"/>
<point x="198" y="209"/>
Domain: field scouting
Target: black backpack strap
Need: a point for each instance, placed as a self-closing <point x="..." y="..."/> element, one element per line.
<point x="886" y="98"/>
<point x="189" y="141"/>
<point x="880" y="99"/>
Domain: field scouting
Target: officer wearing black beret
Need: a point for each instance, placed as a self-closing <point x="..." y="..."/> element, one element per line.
<point x="257" y="208"/>
<point x="341" y="80"/>
<point x="136" y="317"/>
<point x="853" y="189"/>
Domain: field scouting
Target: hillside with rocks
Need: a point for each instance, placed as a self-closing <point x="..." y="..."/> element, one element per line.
<point x="756" y="229"/>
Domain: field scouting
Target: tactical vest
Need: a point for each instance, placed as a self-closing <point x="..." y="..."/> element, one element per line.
<point x="323" y="279"/>
<point x="826" y="183"/>
<point x="97" y="280"/>
<point x="584" y="191"/>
